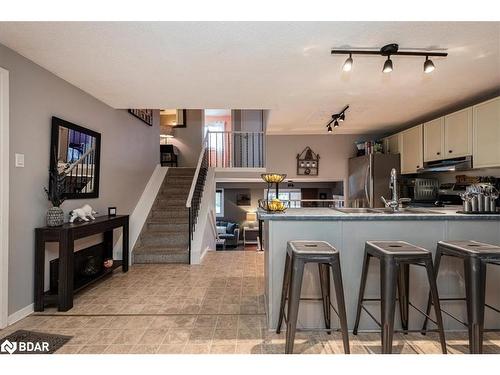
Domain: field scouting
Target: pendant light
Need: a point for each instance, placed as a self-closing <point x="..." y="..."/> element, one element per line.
<point x="347" y="64"/>
<point x="387" y="65"/>
<point x="428" y="65"/>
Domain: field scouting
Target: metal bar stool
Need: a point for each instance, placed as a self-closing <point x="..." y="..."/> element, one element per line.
<point x="395" y="258"/>
<point x="475" y="255"/>
<point x="326" y="256"/>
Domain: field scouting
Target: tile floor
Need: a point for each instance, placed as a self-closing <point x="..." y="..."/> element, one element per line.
<point x="217" y="307"/>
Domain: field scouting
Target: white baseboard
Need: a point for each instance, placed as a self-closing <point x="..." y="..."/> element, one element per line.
<point x="20" y="314"/>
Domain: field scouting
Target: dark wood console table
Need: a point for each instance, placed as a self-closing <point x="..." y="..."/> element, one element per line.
<point x="66" y="235"/>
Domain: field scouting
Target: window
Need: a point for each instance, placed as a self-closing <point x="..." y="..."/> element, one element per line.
<point x="292" y="195"/>
<point x="219" y="202"/>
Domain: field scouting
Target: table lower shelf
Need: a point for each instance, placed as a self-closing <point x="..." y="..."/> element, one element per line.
<point x="51" y="297"/>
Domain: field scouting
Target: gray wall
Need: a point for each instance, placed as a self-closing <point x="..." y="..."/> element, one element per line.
<point x="188" y="140"/>
<point x="129" y="153"/>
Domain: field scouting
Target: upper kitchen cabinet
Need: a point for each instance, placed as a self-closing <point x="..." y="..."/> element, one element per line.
<point x="486" y="134"/>
<point x="434" y="139"/>
<point x="458" y="134"/>
<point x="392" y="143"/>
<point x="412" y="153"/>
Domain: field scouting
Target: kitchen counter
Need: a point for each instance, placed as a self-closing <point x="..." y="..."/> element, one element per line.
<point x="330" y="214"/>
<point x="348" y="233"/>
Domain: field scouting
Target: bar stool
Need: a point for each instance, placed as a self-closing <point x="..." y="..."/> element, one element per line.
<point x="395" y="258"/>
<point x="326" y="256"/>
<point x="475" y="255"/>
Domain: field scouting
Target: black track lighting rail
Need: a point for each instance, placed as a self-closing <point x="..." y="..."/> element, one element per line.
<point x="401" y="53"/>
<point x="387" y="50"/>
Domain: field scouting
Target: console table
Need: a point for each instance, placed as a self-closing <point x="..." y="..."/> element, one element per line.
<point x="66" y="235"/>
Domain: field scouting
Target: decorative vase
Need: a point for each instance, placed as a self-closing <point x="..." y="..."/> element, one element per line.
<point x="55" y="217"/>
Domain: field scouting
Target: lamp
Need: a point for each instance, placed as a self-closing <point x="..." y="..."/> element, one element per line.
<point x="251" y="218"/>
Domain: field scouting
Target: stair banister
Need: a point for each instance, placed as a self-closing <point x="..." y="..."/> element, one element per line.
<point x="196" y="173"/>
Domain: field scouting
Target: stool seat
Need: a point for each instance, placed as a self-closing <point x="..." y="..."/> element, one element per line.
<point x="395" y="248"/>
<point x="471" y="247"/>
<point x="310" y="248"/>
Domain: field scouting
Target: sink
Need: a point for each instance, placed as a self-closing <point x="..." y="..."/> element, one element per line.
<point x="420" y="211"/>
<point x="349" y="210"/>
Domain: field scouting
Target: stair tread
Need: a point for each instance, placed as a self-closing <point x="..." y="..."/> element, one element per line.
<point x="152" y="249"/>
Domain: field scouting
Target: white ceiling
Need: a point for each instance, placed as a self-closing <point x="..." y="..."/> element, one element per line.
<point x="282" y="66"/>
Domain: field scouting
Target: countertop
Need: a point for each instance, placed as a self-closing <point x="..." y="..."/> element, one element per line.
<point x="329" y="214"/>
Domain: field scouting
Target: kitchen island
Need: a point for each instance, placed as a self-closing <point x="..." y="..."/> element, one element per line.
<point x="348" y="233"/>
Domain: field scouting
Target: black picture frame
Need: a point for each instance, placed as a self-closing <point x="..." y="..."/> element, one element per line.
<point x="54" y="151"/>
<point x="243" y="199"/>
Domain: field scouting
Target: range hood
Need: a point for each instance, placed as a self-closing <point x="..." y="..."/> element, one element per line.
<point x="448" y="165"/>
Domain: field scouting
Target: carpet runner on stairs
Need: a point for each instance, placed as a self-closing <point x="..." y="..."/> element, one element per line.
<point x="165" y="235"/>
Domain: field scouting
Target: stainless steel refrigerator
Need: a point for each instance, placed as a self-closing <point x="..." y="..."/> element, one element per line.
<point x="369" y="177"/>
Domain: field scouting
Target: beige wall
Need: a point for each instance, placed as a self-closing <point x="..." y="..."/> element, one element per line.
<point x="129" y="153"/>
<point x="334" y="150"/>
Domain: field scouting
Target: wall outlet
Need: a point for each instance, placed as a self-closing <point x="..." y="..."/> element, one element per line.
<point x="19" y="160"/>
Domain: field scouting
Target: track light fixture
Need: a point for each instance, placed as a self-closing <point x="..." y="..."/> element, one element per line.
<point x="336" y="117"/>
<point x="347" y="64"/>
<point x="387" y="65"/>
<point x="428" y="65"/>
<point x="388" y="50"/>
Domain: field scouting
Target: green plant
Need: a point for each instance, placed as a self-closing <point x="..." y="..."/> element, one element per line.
<point x="56" y="191"/>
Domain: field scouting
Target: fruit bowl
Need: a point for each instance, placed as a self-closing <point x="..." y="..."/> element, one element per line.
<point x="273" y="206"/>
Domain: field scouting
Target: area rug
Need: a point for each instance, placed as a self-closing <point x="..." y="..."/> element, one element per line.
<point x="30" y="342"/>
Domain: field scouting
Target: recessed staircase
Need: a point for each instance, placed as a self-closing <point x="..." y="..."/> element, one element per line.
<point x="165" y="235"/>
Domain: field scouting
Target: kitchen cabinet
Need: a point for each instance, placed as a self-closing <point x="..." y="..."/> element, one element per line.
<point x="434" y="139"/>
<point x="412" y="149"/>
<point x="458" y="134"/>
<point x="486" y="134"/>
<point x="391" y="144"/>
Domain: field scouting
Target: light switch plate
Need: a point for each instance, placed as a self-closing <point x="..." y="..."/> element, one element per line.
<point x="19" y="160"/>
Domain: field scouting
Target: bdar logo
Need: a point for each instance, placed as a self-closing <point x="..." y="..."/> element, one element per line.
<point x="9" y="347"/>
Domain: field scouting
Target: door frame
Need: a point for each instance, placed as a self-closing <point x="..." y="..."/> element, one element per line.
<point x="4" y="196"/>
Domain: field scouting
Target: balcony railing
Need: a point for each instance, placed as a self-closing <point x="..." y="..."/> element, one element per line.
<point x="235" y="149"/>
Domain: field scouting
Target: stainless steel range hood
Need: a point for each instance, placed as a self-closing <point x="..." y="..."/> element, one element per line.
<point x="448" y="165"/>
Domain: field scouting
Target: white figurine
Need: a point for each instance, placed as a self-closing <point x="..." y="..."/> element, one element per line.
<point x="83" y="213"/>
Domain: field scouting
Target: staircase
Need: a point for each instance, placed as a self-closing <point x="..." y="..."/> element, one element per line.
<point x="165" y="235"/>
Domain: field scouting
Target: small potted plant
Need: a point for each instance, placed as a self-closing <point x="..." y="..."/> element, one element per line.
<point x="55" y="214"/>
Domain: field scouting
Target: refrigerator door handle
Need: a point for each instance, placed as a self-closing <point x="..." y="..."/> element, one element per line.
<point x="368" y="173"/>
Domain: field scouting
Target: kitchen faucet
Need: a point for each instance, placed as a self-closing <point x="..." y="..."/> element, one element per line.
<point x="395" y="201"/>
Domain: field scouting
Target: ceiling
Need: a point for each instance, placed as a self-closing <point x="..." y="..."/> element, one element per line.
<point x="282" y="66"/>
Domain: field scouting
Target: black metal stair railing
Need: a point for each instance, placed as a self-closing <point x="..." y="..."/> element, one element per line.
<point x="195" y="195"/>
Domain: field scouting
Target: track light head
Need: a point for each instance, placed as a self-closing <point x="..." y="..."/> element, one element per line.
<point x="342" y="117"/>
<point x="428" y="65"/>
<point x="329" y="129"/>
<point x="347" y="64"/>
<point x="335" y="124"/>
<point x="387" y="65"/>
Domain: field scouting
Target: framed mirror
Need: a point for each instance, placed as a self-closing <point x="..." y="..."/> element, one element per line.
<point x="75" y="153"/>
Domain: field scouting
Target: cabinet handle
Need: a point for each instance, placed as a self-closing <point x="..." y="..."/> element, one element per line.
<point x="418" y="166"/>
<point x="438" y="153"/>
<point x="450" y="151"/>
